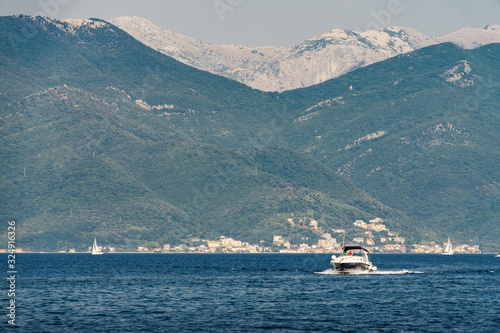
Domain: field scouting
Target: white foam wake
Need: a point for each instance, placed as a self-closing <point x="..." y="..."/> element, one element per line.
<point x="378" y="272"/>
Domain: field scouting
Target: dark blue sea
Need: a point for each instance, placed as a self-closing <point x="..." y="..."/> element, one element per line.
<point x="253" y="293"/>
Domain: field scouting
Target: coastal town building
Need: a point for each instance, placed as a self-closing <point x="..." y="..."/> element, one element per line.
<point x="376" y="227"/>
<point x="358" y="240"/>
<point x="278" y="240"/>
<point x="437" y="249"/>
<point x="213" y="245"/>
<point x="360" y="224"/>
<point x="374" y="236"/>
<point x="400" y="240"/>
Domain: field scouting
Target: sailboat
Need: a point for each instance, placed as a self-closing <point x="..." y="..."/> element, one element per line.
<point x="95" y="248"/>
<point x="448" y="250"/>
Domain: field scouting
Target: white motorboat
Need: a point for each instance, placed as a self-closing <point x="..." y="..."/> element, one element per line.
<point x="95" y="248"/>
<point x="448" y="249"/>
<point x="354" y="258"/>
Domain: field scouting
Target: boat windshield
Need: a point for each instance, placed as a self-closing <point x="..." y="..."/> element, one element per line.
<point x="356" y="253"/>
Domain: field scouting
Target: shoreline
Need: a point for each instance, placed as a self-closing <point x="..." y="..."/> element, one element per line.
<point x="329" y="253"/>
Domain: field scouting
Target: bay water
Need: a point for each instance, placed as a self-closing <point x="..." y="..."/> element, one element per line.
<point x="253" y="293"/>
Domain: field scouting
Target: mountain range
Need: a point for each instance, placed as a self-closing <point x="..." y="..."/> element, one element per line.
<point x="313" y="61"/>
<point x="105" y="136"/>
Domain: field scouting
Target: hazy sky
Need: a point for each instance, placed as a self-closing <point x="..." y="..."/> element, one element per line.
<point x="273" y="22"/>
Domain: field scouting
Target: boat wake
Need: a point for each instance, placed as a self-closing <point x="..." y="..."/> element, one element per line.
<point x="331" y="271"/>
<point x="404" y="271"/>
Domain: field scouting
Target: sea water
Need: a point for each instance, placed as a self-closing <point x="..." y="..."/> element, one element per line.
<point x="254" y="293"/>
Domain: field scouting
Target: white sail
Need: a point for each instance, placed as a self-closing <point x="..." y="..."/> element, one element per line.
<point x="95" y="248"/>
<point x="448" y="248"/>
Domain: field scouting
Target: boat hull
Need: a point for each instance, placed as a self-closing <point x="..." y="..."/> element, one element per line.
<point x="351" y="267"/>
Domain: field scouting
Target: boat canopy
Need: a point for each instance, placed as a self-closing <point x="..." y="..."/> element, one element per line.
<point x="353" y="247"/>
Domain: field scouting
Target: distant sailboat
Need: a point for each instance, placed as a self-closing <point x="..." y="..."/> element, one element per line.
<point x="95" y="248"/>
<point x="448" y="250"/>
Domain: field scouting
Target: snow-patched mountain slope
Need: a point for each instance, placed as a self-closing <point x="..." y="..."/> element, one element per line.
<point x="313" y="61"/>
<point x="470" y="38"/>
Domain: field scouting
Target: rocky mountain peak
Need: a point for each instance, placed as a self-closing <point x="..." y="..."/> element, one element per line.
<point x="313" y="61"/>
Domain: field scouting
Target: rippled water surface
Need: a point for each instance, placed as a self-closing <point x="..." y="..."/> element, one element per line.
<point x="254" y="293"/>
